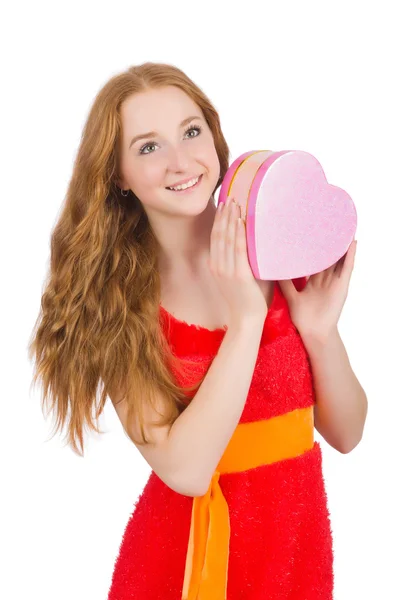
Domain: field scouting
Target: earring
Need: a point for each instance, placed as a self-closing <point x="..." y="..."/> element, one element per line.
<point x="121" y="191"/>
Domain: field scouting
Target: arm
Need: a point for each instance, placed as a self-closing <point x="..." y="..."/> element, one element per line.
<point x="341" y="403"/>
<point x="199" y="436"/>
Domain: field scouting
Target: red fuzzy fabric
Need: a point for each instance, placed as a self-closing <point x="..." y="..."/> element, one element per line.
<point x="281" y="543"/>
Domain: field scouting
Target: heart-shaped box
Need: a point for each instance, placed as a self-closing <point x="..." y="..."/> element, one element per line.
<point x="297" y="224"/>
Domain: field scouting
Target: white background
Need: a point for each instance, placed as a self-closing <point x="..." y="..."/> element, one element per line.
<point x="314" y="76"/>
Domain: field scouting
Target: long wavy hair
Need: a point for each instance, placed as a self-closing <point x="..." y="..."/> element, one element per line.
<point x="99" y="328"/>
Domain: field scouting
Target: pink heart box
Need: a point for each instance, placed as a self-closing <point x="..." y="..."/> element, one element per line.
<point x="297" y="224"/>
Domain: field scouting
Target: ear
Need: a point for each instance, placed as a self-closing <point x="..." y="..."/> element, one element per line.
<point x="120" y="183"/>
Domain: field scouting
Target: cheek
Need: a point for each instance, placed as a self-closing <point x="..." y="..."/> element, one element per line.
<point x="146" y="174"/>
<point x="205" y="153"/>
<point x="213" y="161"/>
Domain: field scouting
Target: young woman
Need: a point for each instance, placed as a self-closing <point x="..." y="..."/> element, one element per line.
<point x="218" y="378"/>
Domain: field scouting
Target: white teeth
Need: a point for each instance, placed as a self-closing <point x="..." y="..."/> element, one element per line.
<point x="185" y="185"/>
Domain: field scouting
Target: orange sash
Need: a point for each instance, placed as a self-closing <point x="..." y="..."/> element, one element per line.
<point x="251" y="445"/>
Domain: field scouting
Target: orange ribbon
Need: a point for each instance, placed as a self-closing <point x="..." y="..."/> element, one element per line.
<point x="251" y="445"/>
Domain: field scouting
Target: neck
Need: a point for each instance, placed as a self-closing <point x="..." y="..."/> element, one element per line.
<point x="185" y="247"/>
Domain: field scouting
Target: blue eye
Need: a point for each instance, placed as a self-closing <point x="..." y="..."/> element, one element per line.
<point x="192" y="128"/>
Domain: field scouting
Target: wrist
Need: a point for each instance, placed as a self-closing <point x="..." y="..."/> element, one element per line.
<point x="319" y="339"/>
<point x="249" y="321"/>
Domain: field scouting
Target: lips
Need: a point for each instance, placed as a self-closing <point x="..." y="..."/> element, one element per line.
<point x="189" y="188"/>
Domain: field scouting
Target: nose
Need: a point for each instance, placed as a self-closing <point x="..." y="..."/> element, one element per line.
<point x="178" y="158"/>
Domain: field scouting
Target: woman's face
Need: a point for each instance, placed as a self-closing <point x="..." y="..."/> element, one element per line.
<point x="177" y="151"/>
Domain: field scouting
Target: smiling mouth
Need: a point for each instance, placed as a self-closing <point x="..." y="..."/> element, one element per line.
<point x="188" y="188"/>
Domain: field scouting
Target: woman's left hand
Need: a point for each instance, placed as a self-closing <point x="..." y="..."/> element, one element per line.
<point x="315" y="311"/>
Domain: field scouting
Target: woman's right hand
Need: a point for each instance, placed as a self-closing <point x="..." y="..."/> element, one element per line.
<point x="230" y="266"/>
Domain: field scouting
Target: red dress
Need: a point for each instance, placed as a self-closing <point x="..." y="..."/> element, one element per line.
<point x="281" y="544"/>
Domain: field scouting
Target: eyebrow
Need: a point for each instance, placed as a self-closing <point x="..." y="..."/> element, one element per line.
<point x="153" y="133"/>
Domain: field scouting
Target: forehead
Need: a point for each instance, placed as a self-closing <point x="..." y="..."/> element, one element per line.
<point x="157" y="107"/>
